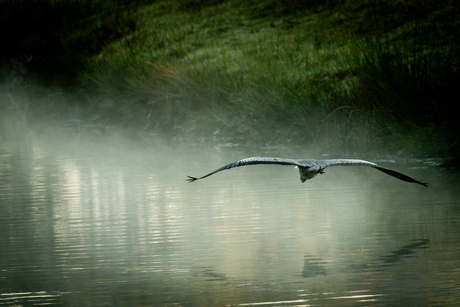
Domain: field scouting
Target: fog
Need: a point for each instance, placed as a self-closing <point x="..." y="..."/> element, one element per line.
<point x="96" y="213"/>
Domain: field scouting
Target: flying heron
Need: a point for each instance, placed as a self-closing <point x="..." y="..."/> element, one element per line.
<point x="309" y="168"/>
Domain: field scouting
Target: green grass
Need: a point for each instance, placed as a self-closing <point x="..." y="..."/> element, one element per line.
<point x="356" y="75"/>
<point x="404" y="79"/>
<point x="241" y="74"/>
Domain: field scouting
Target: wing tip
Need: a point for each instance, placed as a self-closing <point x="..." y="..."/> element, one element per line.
<point x="398" y="175"/>
<point x="191" y="179"/>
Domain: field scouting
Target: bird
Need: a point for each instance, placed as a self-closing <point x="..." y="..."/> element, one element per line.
<point x="309" y="168"/>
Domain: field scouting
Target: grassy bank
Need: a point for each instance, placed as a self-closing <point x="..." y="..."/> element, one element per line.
<point x="355" y="75"/>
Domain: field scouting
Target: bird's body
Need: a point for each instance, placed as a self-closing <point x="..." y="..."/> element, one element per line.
<point x="309" y="168"/>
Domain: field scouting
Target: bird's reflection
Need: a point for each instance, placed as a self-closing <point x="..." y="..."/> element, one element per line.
<point x="315" y="267"/>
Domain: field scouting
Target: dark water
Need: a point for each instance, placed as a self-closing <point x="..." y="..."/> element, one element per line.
<point x="89" y="227"/>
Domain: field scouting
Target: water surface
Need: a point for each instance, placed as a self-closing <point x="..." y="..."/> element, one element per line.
<point x="101" y="227"/>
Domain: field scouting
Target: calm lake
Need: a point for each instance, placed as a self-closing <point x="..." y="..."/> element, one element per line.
<point x="94" y="225"/>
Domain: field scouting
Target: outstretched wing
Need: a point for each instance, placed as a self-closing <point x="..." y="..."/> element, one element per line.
<point x="344" y="162"/>
<point x="398" y="175"/>
<point x="351" y="162"/>
<point x="250" y="161"/>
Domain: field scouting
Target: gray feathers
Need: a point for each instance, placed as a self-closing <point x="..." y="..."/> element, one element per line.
<point x="309" y="168"/>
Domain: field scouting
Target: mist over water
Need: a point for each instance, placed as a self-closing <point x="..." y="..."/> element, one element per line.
<point x="93" y="220"/>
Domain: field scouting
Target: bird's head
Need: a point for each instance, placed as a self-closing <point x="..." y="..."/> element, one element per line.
<point x="306" y="173"/>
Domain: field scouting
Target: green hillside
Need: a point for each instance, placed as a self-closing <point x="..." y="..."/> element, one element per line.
<point x="349" y="74"/>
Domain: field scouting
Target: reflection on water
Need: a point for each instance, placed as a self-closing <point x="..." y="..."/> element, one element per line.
<point x="85" y="230"/>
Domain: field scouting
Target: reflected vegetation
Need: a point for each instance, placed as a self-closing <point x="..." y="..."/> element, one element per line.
<point x="123" y="228"/>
